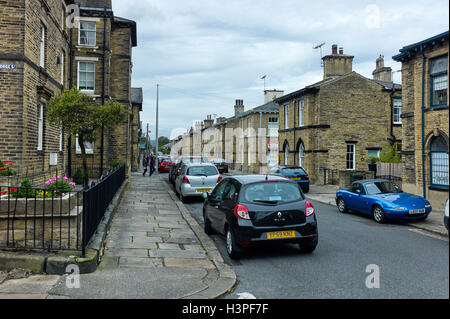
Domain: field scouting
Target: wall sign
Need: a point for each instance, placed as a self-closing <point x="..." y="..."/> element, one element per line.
<point x="8" y="66"/>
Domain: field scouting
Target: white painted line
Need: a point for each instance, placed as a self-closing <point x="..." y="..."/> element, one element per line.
<point x="425" y="233"/>
<point x="246" y="295"/>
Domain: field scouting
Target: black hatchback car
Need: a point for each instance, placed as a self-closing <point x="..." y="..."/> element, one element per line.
<point x="257" y="209"/>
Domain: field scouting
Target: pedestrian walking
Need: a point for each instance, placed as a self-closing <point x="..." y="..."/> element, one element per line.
<point x="145" y="162"/>
<point x="152" y="164"/>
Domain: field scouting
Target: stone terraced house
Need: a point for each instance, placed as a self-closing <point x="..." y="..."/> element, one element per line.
<point x="41" y="54"/>
<point x="425" y="118"/>
<point x="332" y="127"/>
<point x="34" y="46"/>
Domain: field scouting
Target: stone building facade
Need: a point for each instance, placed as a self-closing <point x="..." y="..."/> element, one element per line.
<point x="136" y="128"/>
<point x="338" y="123"/>
<point x="34" y="47"/>
<point x="102" y="45"/>
<point x="426" y="118"/>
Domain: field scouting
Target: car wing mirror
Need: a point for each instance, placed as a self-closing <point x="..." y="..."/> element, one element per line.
<point x="206" y="195"/>
<point x="358" y="192"/>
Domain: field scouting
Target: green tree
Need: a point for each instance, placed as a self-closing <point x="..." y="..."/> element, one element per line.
<point x="79" y="114"/>
<point x="389" y="154"/>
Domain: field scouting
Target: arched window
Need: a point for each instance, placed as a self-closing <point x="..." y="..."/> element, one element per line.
<point x="286" y="153"/>
<point x="439" y="162"/>
<point x="301" y="154"/>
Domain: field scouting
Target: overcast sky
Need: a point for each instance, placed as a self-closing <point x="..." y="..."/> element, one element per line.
<point x="205" y="54"/>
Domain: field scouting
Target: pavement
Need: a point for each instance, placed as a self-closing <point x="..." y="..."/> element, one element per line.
<point x="326" y="194"/>
<point x="154" y="250"/>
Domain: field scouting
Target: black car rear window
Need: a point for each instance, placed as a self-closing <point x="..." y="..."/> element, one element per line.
<point x="272" y="192"/>
<point x="294" y="170"/>
<point x="202" y="171"/>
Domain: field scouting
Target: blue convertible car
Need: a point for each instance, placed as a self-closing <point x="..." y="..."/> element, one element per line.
<point x="382" y="199"/>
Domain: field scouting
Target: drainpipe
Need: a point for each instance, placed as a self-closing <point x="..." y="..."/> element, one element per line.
<point x="423" y="122"/>
<point x="69" y="139"/>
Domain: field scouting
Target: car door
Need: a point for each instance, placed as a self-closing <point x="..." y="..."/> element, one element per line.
<point x="360" y="201"/>
<point x="226" y="206"/>
<point x="353" y="197"/>
<point x="214" y="203"/>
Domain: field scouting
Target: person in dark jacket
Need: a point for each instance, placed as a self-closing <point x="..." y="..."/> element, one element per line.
<point x="145" y="162"/>
<point x="152" y="164"/>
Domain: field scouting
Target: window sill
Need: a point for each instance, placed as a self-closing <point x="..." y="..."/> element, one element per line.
<point x="436" y="107"/>
<point x="441" y="188"/>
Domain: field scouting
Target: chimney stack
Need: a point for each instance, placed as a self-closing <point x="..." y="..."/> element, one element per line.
<point x="382" y="73"/>
<point x="270" y="95"/>
<point x="208" y="122"/>
<point x="337" y="64"/>
<point x="239" y="107"/>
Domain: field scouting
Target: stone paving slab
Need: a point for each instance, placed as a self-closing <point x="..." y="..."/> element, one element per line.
<point x="39" y="284"/>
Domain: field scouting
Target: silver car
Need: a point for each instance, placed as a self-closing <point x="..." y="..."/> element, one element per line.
<point x="195" y="179"/>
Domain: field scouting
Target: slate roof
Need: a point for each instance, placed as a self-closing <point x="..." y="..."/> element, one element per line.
<point x="137" y="96"/>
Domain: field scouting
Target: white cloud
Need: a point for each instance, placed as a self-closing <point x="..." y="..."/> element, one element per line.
<point x="206" y="53"/>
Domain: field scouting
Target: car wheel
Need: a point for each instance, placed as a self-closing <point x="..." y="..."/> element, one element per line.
<point x="308" y="246"/>
<point x="378" y="215"/>
<point x="233" y="249"/>
<point x="207" y="225"/>
<point x="341" y="205"/>
<point x="182" y="198"/>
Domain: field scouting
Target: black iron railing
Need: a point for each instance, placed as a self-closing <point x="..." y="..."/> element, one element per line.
<point x="43" y="219"/>
<point x="96" y="200"/>
<point x="37" y="218"/>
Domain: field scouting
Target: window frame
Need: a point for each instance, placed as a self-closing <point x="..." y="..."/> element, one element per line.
<point x="89" y="151"/>
<point x="40" y="141"/>
<point x="78" y="76"/>
<point x="394" y="107"/>
<point x="431" y="78"/>
<point x="286" y="115"/>
<point x="432" y="152"/>
<point x="301" y="112"/>
<point x="353" y="159"/>
<point x="94" y="31"/>
<point x="42" y="44"/>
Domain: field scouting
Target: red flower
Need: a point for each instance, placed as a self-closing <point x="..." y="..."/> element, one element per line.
<point x="1" y="168"/>
<point x="13" y="189"/>
<point x="9" y="163"/>
<point x="3" y="193"/>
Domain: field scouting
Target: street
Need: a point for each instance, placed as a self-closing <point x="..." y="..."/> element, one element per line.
<point x="412" y="263"/>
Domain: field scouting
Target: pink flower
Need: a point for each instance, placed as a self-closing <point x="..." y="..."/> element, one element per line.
<point x="72" y="184"/>
<point x="65" y="178"/>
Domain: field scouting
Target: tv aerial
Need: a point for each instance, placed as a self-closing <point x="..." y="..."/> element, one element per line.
<point x="320" y="48"/>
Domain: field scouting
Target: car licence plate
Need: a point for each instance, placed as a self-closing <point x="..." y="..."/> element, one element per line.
<point x="296" y="178"/>
<point x="220" y="167"/>
<point x="416" y="211"/>
<point x="204" y="190"/>
<point x="281" y="234"/>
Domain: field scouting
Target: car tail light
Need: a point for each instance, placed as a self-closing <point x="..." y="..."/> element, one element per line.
<point x="309" y="209"/>
<point x="185" y="180"/>
<point x="241" y="212"/>
<point x="219" y="179"/>
<point x="306" y="176"/>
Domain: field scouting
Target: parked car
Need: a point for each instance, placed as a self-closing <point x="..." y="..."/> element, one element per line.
<point x="221" y="165"/>
<point x="294" y="173"/>
<point x="176" y="167"/>
<point x="446" y="215"/>
<point x="382" y="199"/>
<point x="165" y="165"/>
<point x="195" y="179"/>
<point x="258" y="209"/>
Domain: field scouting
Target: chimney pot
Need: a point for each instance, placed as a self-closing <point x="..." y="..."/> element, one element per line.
<point x="334" y="49"/>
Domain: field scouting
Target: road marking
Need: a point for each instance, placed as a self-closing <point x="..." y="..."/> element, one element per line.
<point x="246" y="295"/>
<point x="425" y="233"/>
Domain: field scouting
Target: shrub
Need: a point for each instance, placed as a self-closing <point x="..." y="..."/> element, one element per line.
<point x="389" y="154"/>
<point x="6" y="170"/>
<point x="25" y="191"/>
<point x="79" y="176"/>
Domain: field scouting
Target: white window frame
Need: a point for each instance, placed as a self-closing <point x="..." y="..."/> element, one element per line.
<point x="42" y="47"/>
<point x="286" y="115"/>
<point x="78" y="76"/>
<point x="301" y="155"/>
<point x="62" y="67"/>
<point x="89" y="147"/>
<point x="40" y="142"/>
<point x="301" y="110"/>
<point x="94" y="31"/>
<point x="286" y="154"/>
<point x="397" y="111"/>
<point x="353" y="159"/>
<point x="272" y="127"/>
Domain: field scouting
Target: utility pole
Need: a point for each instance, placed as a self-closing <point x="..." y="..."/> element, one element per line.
<point x="157" y="119"/>
<point x="147" y="142"/>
